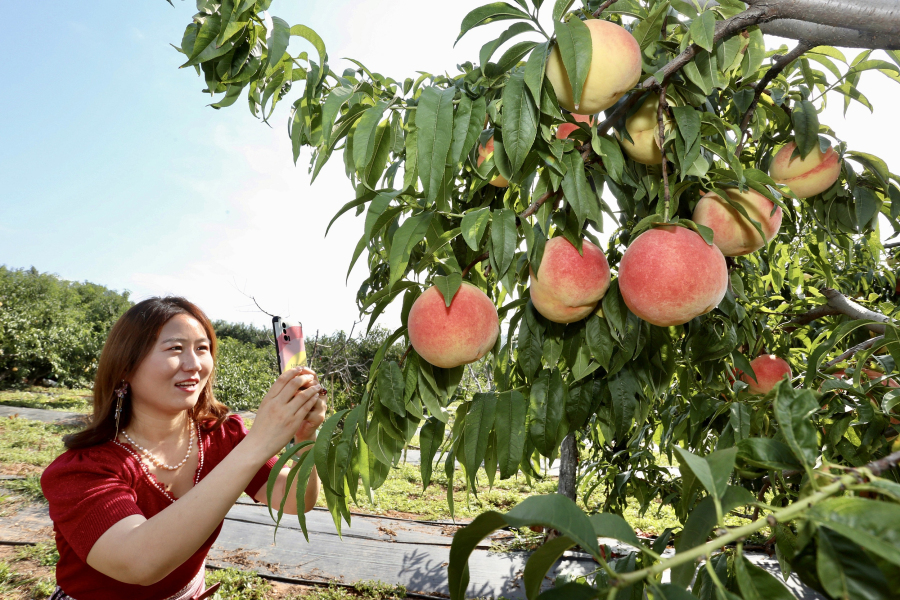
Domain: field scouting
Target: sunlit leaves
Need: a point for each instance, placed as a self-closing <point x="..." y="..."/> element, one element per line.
<point x="434" y="123"/>
<point x="574" y="42"/>
<point x="496" y="11"/>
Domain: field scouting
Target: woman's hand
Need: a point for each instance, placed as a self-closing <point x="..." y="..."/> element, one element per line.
<point x="292" y="399"/>
<point x="313" y="420"/>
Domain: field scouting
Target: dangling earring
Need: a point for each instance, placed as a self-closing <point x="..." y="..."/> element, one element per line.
<point x="120" y="392"/>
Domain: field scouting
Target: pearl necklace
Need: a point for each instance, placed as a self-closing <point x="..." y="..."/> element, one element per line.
<point x="149" y="456"/>
<point x="151" y="478"/>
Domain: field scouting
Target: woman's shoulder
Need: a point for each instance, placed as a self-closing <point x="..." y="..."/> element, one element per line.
<point x="103" y="458"/>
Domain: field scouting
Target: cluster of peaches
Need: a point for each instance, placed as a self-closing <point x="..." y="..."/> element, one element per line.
<point x="668" y="275"/>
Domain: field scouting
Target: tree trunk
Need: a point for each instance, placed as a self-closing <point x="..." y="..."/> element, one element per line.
<point x="568" y="458"/>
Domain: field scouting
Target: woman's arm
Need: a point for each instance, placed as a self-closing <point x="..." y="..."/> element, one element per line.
<point x="143" y="551"/>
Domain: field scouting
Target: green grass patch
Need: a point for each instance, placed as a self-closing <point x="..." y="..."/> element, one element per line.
<point x="25" y="442"/>
<point x="62" y="399"/>
<point x="44" y="553"/>
<point x="238" y="585"/>
<point x="16" y="584"/>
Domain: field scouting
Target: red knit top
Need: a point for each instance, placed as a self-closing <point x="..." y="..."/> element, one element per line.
<point x="91" y="489"/>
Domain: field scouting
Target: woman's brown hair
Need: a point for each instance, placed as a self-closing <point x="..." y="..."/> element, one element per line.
<point x="130" y="341"/>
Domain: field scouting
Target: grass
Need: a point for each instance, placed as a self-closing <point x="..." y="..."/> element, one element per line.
<point x="16" y="582"/>
<point x="62" y="399"/>
<point x="238" y="585"/>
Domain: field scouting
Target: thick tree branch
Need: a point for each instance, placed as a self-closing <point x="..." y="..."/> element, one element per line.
<point x="874" y="16"/>
<point x="780" y="64"/>
<point x="825" y="35"/>
<point x="839" y="304"/>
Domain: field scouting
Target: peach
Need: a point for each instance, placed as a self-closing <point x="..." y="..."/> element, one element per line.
<point x="769" y="370"/>
<point x="669" y="275"/>
<point x="568" y="285"/>
<point x="733" y="233"/>
<point x="643" y="127"/>
<point x="458" y="335"/>
<point x="563" y="131"/>
<point x="485" y="152"/>
<point x="615" y="69"/>
<point x="806" y="176"/>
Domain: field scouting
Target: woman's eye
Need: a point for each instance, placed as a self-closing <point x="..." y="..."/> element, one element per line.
<point x="175" y="348"/>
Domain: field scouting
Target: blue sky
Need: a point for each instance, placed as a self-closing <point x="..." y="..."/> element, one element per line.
<point x="114" y="170"/>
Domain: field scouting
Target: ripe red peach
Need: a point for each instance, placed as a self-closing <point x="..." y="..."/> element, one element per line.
<point x="643" y="127"/>
<point x="733" y="233"/>
<point x="568" y="285"/>
<point x="806" y="176"/>
<point x="563" y="131"/>
<point x="458" y="335"/>
<point x="615" y="69"/>
<point x="769" y="370"/>
<point x="669" y="275"/>
<point x="485" y="152"/>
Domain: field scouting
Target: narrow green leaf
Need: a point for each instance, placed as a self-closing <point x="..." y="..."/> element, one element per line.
<point x="793" y="410"/>
<point x="391" y="388"/>
<point x="503" y="239"/>
<point x="464" y="542"/>
<point x="434" y="124"/>
<point x="410" y="233"/>
<point x="495" y="11"/>
<point x="870" y="523"/>
<point x="758" y="584"/>
<point x="608" y="525"/>
<point x="487" y="51"/>
<point x="430" y="439"/>
<point x="546" y="410"/>
<point x="278" y="40"/>
<point x="534" y="70"/>
<point x="364" y="138"/>
<point x="520" y="121"/>
<point x="313" y="38"/>
<point x="806" y="127"/>
<point x="479" y="422"/>
<point x="575" y="48"/>
<point x="540" y="563"/>
<point x="767" y="453"/>
<point x="473" y="226"/>
<point x="510" y="427"/>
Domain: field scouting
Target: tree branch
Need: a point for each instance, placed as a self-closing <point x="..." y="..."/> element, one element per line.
<point x="874" y="16"/>
<point x="839" y="304"/>
<point x="537" y="203"/>
<point x="603" y="7"/>
<point x="477" y="260"/>
<point x="780" y="64"/>
<point x="857" y="348"/>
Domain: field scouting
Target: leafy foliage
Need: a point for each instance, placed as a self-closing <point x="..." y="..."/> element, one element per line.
<point x="636" y="396"/>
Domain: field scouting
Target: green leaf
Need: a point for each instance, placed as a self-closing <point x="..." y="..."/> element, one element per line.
<point x="448" y="286"/>
<point x="467" y="125"/>
<point x="278" y="40"/>
<point x="510" y="427"/>
<point x="870" y="523"/>
<point x="561" y="8"/>
<point x="479" y="422"/>
<point x="410" y="233"/>
<point x="758" y="584"/>
<point x="575" y="48"/>
<point x="313" y="38"/>
<point x="648" y="30"/>
<point x="794" y="410"/>
<point x="473" y="226"/>
<point x="609" y="525"/>
<point x="845" y="570"/>
<point x="520" y="121"/>
<point x="613" y="159"/>
<point x="323" y="450"/>
<point x="434" y="124"/>
<point x="806" y="127"/>
<point x="534" y="70"/>
<point x="303" y="473"/>
<point x="487" y="51"/>
<point x="688" y="120"/>
<point x="599" y="341"/>
<point x="713" y="471"/>
<point x="464" y="542"/>
<point x="495" y="11"/>
<point x="273" y="477"/>
<point x="866" y="206"/>
<point x="540" y="563"/>
<point x="624" y="390"/>
<point x="703" y="28"/>
<point x="577" y="191"/>
<point x="766" y="453"/>
<point x="430" y="439"/>
<point x="364" y="137"/>
<point x="391" y="388"/>
<point x="503" y="240"/>
<point x="557" y="512"/>
<point x="546" y="410"/>
<point x="514" y="54"/>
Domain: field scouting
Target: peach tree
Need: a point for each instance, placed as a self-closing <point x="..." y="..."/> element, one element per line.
<point x="725" y="347"/>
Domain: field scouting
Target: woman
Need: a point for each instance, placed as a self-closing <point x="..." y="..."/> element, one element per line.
<point x="139" y="497"/>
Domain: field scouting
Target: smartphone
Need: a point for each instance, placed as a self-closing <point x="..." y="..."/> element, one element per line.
<point x="289" y="344"/>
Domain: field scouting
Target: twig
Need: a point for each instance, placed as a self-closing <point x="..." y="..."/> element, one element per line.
<point x="405" y="354"/>
<point x="537" y="204"/>
<point x="660" y="114"/>
<point x="724" y="29"/>
<point x="477" y="260"/>
<point x="603" y="7"/>
<point x="857" y="348"/>
<point x="780" y="64"/>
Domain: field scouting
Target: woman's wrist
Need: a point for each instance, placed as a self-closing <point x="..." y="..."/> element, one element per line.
<point x="306" y="433"/>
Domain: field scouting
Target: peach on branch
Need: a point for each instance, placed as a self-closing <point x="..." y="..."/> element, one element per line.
<point x="769" y="370"/>
<point x="456" y="335"/>
<point x="563" y="131"/>
<point x="669" y="275"/>
<point x="615" y="69"/>
<point x="732" y="232"/>
<point x="643" y="127"/>
<point x="484" y="153"/>
<point x="568" y="285"/>
<point x="808" y="176"/>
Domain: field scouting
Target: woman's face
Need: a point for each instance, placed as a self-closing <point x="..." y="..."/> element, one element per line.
<point x="171" y="377"/>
